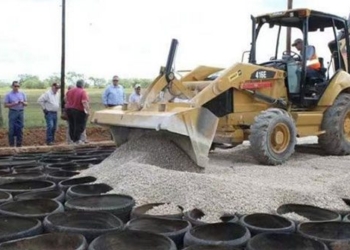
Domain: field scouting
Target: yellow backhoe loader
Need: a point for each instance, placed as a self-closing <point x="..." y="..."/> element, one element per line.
<point x="269" y="103"/>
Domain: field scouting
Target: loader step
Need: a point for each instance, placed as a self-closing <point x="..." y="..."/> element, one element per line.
<point x="222" y="146"/>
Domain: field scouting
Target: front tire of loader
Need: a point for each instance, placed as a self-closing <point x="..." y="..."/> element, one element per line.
<point x="273" y="137"/>
<point x="336" y="123"/>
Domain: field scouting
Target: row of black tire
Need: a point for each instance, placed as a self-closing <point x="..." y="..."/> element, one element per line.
<point x="112" y="228"/>
<point x="35" y="185"/>
<point x="76" y="213"/>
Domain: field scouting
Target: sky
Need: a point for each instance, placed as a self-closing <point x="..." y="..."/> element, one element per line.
<point x="132" y="38"/>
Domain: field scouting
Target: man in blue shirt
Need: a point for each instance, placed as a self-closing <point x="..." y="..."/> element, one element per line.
<point x="15" y="101"/>
<point x="113" y="94"/>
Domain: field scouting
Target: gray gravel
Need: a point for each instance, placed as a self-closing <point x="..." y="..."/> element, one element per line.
<point x="165" y="209"/>
<point x="295" y="217"/>
<point x="211" y="217"/>
<point x="153" y="149"/>
<point x="152" y="170"/>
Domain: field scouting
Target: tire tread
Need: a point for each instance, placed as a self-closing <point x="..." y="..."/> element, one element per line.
<point x="332" y="142"/>
<point x="259" y="136"/>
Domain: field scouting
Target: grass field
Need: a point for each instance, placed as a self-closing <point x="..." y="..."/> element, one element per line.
<point x="33" y="115"/>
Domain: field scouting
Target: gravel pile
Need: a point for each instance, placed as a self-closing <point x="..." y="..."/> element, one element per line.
<point x="168" y="208"/>
<point x="211" y="218"/>
<point x="152" y="170"/>
<point x="154" y="149"/>
<point x="296" y="217"/>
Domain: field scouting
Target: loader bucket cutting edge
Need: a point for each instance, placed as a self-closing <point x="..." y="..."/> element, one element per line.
<point x="192" y="130"/>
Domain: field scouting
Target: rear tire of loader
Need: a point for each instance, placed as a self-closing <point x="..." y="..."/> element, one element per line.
<point x="273" y="137"/>
<point x="336" y="123"/>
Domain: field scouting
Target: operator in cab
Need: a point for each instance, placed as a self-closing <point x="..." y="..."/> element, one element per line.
<point x="312" y="64"/>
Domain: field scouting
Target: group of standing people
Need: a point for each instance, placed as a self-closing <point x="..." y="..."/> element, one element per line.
<point x="50" y="104"/>
<point x="114" y="94"/>
<point x="76" y="109"/>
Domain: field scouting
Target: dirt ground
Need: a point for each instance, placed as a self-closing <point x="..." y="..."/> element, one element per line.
<point x="36" y="136"/>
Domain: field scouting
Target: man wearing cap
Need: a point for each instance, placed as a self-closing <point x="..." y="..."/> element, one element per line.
<point x="114" y="94"/>
<point x="136" y="96"/>
<point x="78" y="110"/>
<point x="312" y="64"/>
<point x="50" y="104"/>
<point x="15" y="101"/>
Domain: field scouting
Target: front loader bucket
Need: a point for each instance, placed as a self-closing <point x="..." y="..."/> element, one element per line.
<point x="192" y="129"/>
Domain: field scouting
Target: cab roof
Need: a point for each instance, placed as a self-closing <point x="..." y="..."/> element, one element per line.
<point x="294" y="18"/>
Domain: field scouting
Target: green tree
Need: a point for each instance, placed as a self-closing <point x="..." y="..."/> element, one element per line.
<point x="31" y="82"/>
<point x="131" y="82"/>
<point x="145" y="82"/>
<point x="72" y="77"/>
<point x="99" y="83"/>
<point x="52" y="78"/>
<point x="4" y="84"/>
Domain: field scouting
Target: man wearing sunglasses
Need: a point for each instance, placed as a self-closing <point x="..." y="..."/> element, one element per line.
<point x="114" y="94"/>
<point x="15" y="101"/>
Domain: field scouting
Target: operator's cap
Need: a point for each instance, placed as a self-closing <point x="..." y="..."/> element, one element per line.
<point x="56" y="85"/>
<point x="297" y="41"/>
<point x="137" y="86"/>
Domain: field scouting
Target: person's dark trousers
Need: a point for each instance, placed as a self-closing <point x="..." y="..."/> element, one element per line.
<point x="312" y="73"/>
<point x="77" y="123"/>
<point x="51" y="125"/>
<point x="15" y="127"/>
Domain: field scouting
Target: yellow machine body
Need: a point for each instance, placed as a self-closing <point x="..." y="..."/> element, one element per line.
<point x="197" y="111"/>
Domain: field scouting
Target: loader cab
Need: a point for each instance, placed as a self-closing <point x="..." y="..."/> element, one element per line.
<point x="318" y="31"/>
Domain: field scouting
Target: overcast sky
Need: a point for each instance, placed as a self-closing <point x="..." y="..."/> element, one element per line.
<point x="130" y="38"/>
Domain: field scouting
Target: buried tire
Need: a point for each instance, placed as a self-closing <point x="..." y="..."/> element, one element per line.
<point x="52" y="241"/>
<point x="336" y="123"/>
<point x="273" y="137"/>
<point x="218" y="234"/>
<point x="12" y="228"/>
<point x="89" y="224"/>
<point x="132" y="240"/>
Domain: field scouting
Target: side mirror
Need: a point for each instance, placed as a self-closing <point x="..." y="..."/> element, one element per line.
<point x="244" y="53"/>
<point x="272" y="58"/>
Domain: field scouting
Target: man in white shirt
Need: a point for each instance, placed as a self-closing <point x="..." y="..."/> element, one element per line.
<point x="50" y="104"/>
<point x="136" y="96"/>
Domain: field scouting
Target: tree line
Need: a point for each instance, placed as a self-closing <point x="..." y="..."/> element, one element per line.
<point x="28" y="81"/>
